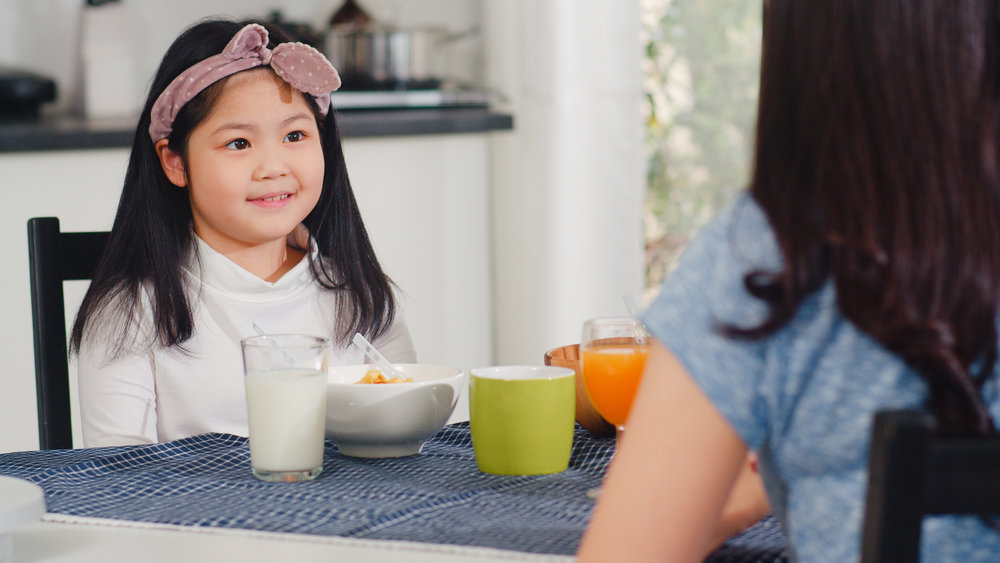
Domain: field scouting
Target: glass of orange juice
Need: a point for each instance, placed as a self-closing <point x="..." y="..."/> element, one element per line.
<point x="614" y="352"/>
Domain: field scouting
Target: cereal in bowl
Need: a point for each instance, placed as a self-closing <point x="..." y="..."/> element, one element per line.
<point x="376" y="376"/>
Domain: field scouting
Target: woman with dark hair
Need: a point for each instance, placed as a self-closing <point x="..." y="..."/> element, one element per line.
<point x="236" y="210"/>
<point x="861" y="272"/>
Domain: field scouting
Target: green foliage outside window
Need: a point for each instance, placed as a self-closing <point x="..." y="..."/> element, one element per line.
<point x="700" y="72"/>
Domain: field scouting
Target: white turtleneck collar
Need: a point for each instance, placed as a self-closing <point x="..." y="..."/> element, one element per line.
<point x="215" y="271"/>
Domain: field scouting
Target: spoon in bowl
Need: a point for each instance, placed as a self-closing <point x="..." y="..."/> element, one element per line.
<point x="387" y="368"/>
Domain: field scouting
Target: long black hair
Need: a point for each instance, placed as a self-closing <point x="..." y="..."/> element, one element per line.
<point x="140" y="274"/>
<point x="877" y="166"/>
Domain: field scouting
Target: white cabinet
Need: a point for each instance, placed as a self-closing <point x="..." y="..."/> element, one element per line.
<point x="425" y="204"/>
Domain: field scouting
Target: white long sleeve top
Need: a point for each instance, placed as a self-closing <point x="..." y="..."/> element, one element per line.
<point x="158" y="394"/>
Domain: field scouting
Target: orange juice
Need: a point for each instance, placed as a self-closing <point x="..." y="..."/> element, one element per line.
<point x="611" y="374"/>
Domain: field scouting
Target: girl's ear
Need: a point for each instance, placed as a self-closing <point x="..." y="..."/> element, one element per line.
<point x="172" y="164"/>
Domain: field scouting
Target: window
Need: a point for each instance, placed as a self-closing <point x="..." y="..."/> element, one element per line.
<point x="701" y="73"/>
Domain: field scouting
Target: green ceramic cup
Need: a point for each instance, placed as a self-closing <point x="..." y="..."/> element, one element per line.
<point x="521" y="418"/>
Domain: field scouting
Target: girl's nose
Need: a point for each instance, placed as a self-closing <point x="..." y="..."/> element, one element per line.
<point x="269" y="167"/>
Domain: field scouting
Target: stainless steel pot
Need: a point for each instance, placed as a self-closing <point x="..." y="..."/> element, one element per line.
<point x="380" y="57"/>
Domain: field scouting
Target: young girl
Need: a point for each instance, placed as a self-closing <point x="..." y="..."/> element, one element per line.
<point x="236" y="211"/>
<point x="861" y="272"/>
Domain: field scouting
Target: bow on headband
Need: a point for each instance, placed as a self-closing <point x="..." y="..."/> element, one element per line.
<point x="301" y="66"/>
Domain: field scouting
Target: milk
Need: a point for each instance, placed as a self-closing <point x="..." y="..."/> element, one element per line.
<point x="287" y="411"/>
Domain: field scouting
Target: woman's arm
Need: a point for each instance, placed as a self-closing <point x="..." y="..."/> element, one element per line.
<point x="746" y="505"/>
<point x="676" y="465"/>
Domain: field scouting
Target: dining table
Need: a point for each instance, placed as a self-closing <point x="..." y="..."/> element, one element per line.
<point x="195" y="499"/>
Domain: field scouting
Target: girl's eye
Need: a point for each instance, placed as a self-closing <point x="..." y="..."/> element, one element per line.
<point x="238" y="144"/>
<point x="295" y="136"/>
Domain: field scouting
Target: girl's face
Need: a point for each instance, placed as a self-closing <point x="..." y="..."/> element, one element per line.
<point x="254" y="165"/>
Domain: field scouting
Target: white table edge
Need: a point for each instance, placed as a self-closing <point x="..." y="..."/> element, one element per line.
<point x="60" y="537"/>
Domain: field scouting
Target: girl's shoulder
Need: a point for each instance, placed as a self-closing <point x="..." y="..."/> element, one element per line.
<point x="123" y="324"/>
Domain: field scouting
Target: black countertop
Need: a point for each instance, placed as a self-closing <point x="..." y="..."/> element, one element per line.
<point x="69" y="133"/>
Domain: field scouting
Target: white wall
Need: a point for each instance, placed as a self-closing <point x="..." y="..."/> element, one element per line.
<point x="82" y="189"/>
<point x="568" y="183"/>
<point x="425" y="202"/>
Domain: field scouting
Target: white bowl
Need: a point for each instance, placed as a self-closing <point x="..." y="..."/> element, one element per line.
<point x="389" y="419"/>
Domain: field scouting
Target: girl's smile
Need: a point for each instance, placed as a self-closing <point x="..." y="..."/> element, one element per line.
<point x="272" y="201"/>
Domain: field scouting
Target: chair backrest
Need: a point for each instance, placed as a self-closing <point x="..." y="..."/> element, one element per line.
<point x="913" y="473"/>
<point x="55" y="257"/>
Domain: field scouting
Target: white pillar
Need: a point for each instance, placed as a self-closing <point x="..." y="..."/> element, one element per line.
<point x="568" y="182"/>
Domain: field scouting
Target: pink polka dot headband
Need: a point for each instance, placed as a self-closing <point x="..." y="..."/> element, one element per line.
<point x="300" y="65"/>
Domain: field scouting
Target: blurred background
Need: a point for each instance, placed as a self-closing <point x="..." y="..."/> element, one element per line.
<point x="629" y="126"/>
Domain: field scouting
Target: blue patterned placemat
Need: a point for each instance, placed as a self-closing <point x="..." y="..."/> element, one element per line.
<point x="438" y="496"/>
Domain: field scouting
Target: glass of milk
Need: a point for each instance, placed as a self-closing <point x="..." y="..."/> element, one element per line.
<point x="286" y="404"/>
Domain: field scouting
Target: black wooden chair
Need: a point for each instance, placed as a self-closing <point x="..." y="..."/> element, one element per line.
<point x="914" y="473"/>
<point x="55" y="257"/>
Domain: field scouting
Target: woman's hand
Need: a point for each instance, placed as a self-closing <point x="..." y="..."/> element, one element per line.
<point x="746" y="505"/>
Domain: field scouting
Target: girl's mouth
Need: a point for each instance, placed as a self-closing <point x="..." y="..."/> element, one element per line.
<point x="274" y="197"/>
<point x="271" y="200"/>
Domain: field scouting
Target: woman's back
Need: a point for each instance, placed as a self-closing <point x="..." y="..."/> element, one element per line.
<point x="863" y="274"/>
<point x="804" y="398"/>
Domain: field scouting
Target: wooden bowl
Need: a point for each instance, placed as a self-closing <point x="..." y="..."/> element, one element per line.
<point x="586" y="414"/>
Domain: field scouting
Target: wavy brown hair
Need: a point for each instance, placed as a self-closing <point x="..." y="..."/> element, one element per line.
<point x="876" y="165"/>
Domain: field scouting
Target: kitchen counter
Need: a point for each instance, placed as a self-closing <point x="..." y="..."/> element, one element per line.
<point x="67" y="133"/>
